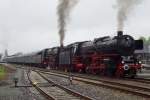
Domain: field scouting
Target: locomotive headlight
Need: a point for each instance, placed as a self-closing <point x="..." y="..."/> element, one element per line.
<point x="126" y="67"/>
<point x="122" y="62"/>
<point x="140" y="62"/>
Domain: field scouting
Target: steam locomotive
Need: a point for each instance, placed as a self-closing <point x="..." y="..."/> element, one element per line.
<point x="105" y="56"/>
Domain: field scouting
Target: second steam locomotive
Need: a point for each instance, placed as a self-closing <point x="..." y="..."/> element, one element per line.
<point x="106" y="56"/>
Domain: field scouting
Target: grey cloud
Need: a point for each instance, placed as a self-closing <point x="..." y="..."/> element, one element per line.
<point x="32" y="24"/>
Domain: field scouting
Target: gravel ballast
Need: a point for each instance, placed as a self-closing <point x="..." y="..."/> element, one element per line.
<point x="96" y="92"/>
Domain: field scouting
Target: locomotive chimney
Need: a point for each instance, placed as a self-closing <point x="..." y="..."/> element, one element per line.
<point x="120" y="33"/>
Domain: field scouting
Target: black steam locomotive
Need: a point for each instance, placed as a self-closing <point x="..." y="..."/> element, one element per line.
<point x="106" y="56"/>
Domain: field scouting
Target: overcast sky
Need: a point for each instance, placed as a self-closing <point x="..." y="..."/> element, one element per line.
<point x="30" y="25"/>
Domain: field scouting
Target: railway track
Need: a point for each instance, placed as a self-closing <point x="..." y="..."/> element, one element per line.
<point x="94" y="77"/>
<point x="56" y="91"/>
<point x="128" y="88"/>
<point x="39" y="89"/>
<point x="141" y="80"/>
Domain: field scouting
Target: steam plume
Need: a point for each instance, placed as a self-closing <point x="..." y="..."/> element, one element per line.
<point x="124" y="8"/>
<point x="63" y="10"/>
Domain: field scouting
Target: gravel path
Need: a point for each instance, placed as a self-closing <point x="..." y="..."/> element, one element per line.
<point x="97" y="93"/>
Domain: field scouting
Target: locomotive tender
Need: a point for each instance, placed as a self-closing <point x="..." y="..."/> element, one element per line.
<point x="106" y="56"/>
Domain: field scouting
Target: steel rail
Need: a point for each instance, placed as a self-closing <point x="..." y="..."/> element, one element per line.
<point x="136" y="90"/>
<point x="142" y="80"/>
<point x="40" y="90"/>
<point x="66" y="89"/>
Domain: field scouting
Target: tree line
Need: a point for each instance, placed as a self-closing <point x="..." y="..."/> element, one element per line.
<point x="145" y="40"/>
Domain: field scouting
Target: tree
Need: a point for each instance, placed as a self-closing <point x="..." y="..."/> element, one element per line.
<point x="143" y="38"/>
<point x="148" y="41"/>
<point x="0" y="56"/>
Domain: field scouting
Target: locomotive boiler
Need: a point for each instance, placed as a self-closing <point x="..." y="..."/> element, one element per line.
<point x="121" y="44"/>
<point x="124" y="45"/>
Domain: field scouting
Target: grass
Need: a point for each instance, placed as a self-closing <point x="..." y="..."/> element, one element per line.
<point x="2" y="72"/>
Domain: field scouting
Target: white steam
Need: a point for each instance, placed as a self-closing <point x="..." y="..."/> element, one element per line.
<point x="124" y="8"/>
<point x="63" y="11"/>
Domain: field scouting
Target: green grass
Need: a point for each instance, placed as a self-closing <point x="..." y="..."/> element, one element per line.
<point x="2" y="72"/>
